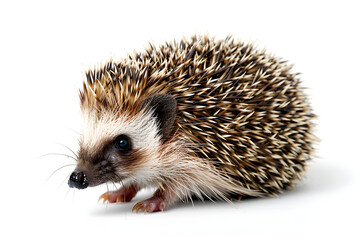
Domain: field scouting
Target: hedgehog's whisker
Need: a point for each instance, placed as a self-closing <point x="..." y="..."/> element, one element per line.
<point x="67" y="165"/>
<point x="73" y="195"/>
<point x="66" y="178"/>
<point x="107" y="187"/>
<point x="118" y="178"/>
<point x="114" y="186"/>
<point x="67" y="192"/>
<point x="55" y="154"/>
<point x="73" y="152"/>
<point x="72" y="130"/>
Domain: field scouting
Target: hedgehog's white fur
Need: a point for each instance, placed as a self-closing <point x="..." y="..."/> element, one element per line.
<point x="100" y="127"/>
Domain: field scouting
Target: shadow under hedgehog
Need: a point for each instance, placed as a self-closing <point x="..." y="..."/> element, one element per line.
<point x="198" y="117"/>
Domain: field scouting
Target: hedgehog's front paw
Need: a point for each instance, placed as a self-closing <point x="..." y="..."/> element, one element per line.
<point x="150" y="205"/>
<point x="124" y="194"/>
<point x="162" y="198"/>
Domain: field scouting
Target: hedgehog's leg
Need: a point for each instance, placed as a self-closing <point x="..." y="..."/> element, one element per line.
<point x="124" y="194"/>
<point x="162" y="198"/>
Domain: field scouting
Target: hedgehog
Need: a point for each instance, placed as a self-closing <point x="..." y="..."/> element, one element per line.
<point x="193" y="118"/>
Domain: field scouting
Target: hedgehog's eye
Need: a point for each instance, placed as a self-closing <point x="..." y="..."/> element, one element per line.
<point x="122" y="143"/>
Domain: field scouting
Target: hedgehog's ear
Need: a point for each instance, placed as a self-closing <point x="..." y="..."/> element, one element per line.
<point x="164" y="107"/>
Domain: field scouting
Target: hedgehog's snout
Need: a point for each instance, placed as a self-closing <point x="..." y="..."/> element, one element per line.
<point x="78" y="179"/>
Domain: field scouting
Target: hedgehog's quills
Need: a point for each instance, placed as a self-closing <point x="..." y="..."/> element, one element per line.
<point x="203" y="118"/>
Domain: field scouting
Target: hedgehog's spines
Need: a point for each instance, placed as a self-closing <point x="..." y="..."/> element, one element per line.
<point x="240" y="106"/>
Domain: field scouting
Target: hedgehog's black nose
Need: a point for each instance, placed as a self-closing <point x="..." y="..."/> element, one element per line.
<point x="78" y="180"/>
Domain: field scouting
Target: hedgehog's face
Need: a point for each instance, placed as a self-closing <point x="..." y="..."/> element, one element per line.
<point x="117" y="147"/>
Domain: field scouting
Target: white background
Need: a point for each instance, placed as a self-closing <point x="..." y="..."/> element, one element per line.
<point x="47" y="46"/>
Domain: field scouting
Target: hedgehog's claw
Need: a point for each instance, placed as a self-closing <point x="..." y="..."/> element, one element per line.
<point x="124" y="194"/>
<point x="104" y="197"/>
<point x="137" y="207"/>
<point x="150" y="205"/>
<point x="112" y="197"/>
